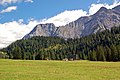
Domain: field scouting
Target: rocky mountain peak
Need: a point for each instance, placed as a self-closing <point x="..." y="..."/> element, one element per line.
<point x="42" y="30"/>
<point x="103" y="9"/>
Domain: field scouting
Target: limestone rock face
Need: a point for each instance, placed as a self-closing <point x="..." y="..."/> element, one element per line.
<point x="101" y="20"/>
<point x="42" y="30"/>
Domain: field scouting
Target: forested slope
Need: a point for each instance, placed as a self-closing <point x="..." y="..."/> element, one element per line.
<point x="103" y="46"/>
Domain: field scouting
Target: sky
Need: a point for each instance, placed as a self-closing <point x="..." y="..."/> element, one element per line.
<point x="19" y="17"/>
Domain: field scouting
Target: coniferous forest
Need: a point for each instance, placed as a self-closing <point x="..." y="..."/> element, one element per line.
<point x="102" y="46"/>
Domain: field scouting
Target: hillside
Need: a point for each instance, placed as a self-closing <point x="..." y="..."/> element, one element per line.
<point x="102" y="46"/>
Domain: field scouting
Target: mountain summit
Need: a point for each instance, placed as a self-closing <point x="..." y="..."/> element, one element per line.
<point x="101" y="20"/>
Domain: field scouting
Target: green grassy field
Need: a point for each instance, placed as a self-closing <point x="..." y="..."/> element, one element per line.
<point x="58" y="70"/>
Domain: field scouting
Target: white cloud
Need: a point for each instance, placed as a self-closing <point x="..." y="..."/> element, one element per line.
<point x="65" y="17"/>
<point x="12" y="31"/>
<point x="4" y="2"/>
<point x="9" y="9"/>
<point x="28" y="1"/>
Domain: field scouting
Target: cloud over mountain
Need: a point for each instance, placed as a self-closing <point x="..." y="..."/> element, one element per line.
<point x="95" y="7"/>
<point x="12" y="31"/>
<point x="65" y="17"/>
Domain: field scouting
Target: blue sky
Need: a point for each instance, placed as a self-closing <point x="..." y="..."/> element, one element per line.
<point x="40" y="9"/>
<point x="19" y="17"/>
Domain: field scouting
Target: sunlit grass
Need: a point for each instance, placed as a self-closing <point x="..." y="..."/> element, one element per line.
<point x="58" y="70"/>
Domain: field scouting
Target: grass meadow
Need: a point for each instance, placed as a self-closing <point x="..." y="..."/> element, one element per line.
<point x="58" y="70"/>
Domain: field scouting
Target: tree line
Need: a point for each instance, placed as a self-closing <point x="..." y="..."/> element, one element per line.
<point x="102" y="46"/>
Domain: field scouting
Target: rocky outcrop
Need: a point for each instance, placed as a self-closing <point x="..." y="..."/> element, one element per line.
<point x="42" y="30"/>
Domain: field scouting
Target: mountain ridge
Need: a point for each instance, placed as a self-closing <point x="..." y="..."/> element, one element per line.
<point x="103" y="19"/>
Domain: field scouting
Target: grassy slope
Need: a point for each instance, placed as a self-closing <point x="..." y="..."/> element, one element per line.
<point x="58" y="70"/>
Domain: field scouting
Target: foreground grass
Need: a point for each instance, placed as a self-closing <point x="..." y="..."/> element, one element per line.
<point x="58" y="70"/>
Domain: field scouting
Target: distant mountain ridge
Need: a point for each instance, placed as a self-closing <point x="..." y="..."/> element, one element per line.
<point x="103" y="19"/>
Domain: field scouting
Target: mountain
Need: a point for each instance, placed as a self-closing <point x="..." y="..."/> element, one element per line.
<point x="103" y="19"/>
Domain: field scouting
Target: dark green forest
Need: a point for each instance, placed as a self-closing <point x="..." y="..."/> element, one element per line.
<point x="102" y="46"/>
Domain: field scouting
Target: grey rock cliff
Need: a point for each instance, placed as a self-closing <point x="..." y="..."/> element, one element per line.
<point x="101" y="20"/>
<point x="42" y="30"/>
